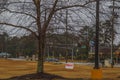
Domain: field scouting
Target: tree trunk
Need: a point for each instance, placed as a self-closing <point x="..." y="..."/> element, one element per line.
<point x="42" y="33"/>
<point x="41" y="46"/>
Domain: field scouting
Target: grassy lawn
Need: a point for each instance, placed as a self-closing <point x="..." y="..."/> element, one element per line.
<point x="10" y="68"/>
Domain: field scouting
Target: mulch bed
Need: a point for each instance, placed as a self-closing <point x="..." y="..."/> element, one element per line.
<point x="46" y="76"/>
<point x="37" y="76"/>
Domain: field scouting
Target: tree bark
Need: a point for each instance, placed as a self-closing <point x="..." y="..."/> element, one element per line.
<point x="40" y="58"/>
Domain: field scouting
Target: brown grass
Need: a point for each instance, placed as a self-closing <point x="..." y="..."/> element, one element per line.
<point x="10" y="68"/>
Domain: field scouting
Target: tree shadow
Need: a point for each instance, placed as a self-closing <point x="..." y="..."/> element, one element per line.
<point x="37" y="76"/>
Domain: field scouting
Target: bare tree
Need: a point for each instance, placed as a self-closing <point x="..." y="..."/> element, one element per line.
<point x="35" y="16"/>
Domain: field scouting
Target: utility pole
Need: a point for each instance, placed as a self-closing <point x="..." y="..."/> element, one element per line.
<point x="66" y="22"/>
<point x="112" y="33"/>
<point x="97" y="72"/>
<point x="66" y="35"/>
<point x="97" y="36"/>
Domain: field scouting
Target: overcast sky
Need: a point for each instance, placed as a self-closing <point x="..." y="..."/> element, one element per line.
<point x="84" y="16"/>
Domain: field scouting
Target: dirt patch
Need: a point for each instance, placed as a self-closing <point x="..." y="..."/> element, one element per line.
<point x="118" y="77"/>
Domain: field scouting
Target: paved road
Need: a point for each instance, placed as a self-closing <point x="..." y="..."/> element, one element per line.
<point x="17" y="58"/>
<point x="79" y="63"/>
<point x="88" y="63"/>
<point x="117" y="65"/>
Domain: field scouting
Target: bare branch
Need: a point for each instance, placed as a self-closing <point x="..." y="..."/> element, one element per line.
<point x="71" y="6"/>
<point x="50" y="16"/>
<point x="17" y="26"/>
<point x="21" y="13"/>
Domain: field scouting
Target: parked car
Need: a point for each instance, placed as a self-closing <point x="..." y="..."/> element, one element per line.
<point x="4" y="55"/>
<point x="51" y="60"/>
